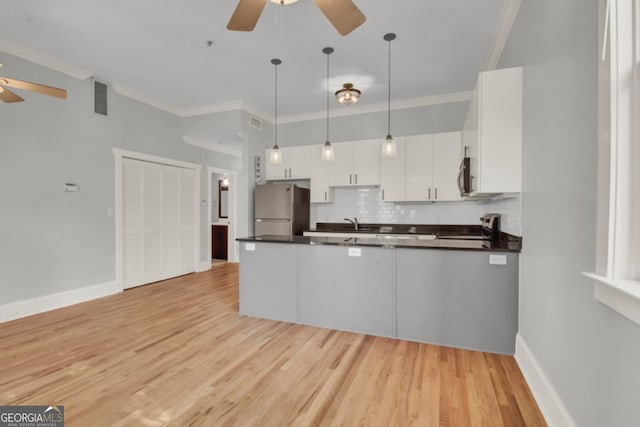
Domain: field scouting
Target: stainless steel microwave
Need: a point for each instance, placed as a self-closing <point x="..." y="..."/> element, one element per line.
<point x="464" y="177"/>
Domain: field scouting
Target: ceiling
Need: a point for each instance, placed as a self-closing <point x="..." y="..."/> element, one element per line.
<point x="158" y="48"/>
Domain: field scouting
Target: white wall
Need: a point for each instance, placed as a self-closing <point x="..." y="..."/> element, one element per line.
<point x="366" y="204"/>
<point x="590" y="354"/>
<point x="52" y="241"/>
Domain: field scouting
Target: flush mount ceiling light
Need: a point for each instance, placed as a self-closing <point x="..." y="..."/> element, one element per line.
<point x="275" y="156"/>
<point x="284" y="1"/>
<point x="328" y="154"/>
<point x="389" y="145"/>
<point x="348" y="95"/>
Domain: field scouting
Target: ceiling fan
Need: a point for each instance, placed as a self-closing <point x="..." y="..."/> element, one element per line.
<point x="8" y="96"/>
<point x="343" y="14"/>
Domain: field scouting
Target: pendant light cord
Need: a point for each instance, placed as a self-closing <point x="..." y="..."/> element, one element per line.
<point x="389" y="95"/>
<point x="328" y="96"/>
<point x="276" y="108"/>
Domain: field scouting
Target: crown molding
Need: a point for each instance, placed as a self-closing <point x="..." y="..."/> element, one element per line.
<point x="375" y="108"/>
<point x="39" y="58"/>
<point x="213" y="146"/>
<point x="508" y="15"/>
<point x="144" y="98"/>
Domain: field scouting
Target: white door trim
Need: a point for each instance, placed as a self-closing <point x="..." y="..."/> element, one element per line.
<point x="119" y="155"/>
<point x="232" y="255"/>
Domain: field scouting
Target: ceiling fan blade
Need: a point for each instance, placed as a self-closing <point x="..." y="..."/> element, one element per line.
<point x="7" y="96"/>
<point x="343" y="14"/>
<point x="34" y="87"/>
<point x="246" y="15"/>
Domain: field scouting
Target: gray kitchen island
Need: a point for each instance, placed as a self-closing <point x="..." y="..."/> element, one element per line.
<point x="455" y="293"/>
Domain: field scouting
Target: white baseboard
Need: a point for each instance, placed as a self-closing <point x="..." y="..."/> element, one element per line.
<point x="31" y="306"/>
<point x="203" y="266"/>
<point x="547" y="398"/>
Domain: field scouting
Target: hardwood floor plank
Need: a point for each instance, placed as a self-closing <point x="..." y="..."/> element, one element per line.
<point x="178" y="353"/>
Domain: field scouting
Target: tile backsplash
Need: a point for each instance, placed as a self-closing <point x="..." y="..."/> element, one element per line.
<point x="366" y="204"/>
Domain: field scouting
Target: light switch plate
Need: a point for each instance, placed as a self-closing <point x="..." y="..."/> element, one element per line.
<point x="249" y="246"/>
<point x="355" y="252"/>
<point x="498" y="259"/>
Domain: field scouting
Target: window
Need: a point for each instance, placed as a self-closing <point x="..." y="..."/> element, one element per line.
<point x="618" y="267"/>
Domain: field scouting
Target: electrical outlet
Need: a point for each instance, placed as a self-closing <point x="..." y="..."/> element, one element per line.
<point x="355" y="252"/>
<point x="498" y="259"/>
<point x="249" y="246"/>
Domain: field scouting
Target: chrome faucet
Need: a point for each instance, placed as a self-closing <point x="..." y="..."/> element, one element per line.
<point x="354" y="222"/>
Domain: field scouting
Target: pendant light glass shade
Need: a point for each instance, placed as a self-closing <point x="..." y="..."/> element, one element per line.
<point x="225" y="181"/>
<point x="328" y="155"/>
<point x="275" y="156"/>
<point x="389" y="145"/>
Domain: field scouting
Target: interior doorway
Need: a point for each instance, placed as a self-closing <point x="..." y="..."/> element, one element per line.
<point x="221" y="214"/>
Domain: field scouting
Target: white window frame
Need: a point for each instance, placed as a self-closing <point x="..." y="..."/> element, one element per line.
<point x="617" y="284"/>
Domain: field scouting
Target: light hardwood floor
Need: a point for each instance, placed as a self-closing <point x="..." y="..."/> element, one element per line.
<point x="177" y="353"/>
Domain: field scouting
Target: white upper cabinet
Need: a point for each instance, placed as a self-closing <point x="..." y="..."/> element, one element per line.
<point x="447" y="155"/>
<point x="493" y="133"/>
<point x="419" y="168"/>
<point x="296" y="164"/>
<point x="432" y="168"/>
<point x="356" y="164"/>
<point x="320" y="191"/>
<point x="392" y="174"/>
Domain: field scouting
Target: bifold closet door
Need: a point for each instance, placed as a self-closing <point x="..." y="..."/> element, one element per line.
<point x="159" y="222"/>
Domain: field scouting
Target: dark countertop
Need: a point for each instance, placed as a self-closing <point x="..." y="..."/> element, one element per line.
<point x="439" y="229"/>
<point x="448" y="244"/>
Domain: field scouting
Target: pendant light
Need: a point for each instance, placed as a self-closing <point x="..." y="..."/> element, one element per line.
<point x="275" y="156"/>
<point x="328" y="154"/>
<point x="389" y="145"/>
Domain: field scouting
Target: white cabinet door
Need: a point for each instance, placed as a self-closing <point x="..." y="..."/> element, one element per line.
<point x="341" y="169"/>
<point x="447" y="154"/>
<point x="392" y="174"/>
<point x="297" y="160"/>
<point x="319" y="191"/>
<point x="366" y="162"/>
<point x="493" y="133"/>
<point x="296" y="164"/>
<point x="419" y="168"/>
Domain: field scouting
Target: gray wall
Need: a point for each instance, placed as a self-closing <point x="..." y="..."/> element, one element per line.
<point x="589" y="352"/>
<point x="52" y="241"/>
<point x="408" y="121"/>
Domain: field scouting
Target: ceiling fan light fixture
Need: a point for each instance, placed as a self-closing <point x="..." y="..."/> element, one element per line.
<point x="283" y="2"/>
<point x="348" y="95"/>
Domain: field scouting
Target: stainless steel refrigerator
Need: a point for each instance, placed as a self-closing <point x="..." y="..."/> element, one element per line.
<point x="281" y="209"/>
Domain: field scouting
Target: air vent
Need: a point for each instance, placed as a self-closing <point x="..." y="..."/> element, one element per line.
<point x="100" y="98"/>
<point x="255" y="122"/>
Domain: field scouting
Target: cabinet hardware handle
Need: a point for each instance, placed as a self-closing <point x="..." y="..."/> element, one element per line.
<point x="382" y="194"/>
<point x="285" y="172"/>
<point x="349" y="178"/>
<point x="429" y="194"/>
<point x="289" y="172"/>
<point x="325" y="196"/>
<point x="356" y="178"/>
<point x="436" y="194"/>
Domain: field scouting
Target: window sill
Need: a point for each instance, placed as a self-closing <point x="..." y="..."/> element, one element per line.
<point x="622" y="296"/>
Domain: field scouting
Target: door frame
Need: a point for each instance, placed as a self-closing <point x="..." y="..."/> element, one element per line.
<point x="120" y="155"/>
<point x="232" y="255"/>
